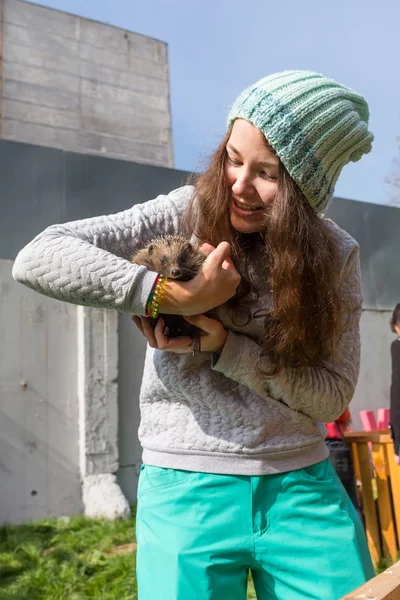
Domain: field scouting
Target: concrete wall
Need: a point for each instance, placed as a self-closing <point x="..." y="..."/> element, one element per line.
<point x="84" y="86"/>
<point x="373" y="386"/>
<point x="68" y="407"/>
<point x="39" y="461"/>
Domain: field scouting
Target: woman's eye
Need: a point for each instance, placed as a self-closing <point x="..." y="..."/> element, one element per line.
<point x="268" y="176"/>
<point x="233" y="162"/>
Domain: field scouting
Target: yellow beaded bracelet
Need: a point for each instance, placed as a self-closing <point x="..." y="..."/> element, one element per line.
<point x="158" y="295"/>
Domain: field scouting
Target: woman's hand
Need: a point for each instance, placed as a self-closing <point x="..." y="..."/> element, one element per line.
<point x="213" y="335"/>
<point x="214" y="285"/>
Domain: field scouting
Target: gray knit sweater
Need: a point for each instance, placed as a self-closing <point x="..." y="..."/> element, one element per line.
<point x="204" y="413"/>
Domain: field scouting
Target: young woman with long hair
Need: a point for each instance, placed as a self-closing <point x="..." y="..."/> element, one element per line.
<point x="236" y="476"/>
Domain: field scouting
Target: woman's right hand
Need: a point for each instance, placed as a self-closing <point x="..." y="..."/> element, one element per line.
<point x="214" y="285"/>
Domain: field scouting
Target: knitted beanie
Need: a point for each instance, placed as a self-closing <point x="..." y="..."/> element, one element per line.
<point x="315" y="125"/>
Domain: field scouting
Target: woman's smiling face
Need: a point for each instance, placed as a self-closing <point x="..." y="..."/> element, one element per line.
<point x="251" y="173"/>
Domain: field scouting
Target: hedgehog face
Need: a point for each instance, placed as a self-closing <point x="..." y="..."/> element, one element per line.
<point x="179" y="262"/>
<point x="172" y="256"/>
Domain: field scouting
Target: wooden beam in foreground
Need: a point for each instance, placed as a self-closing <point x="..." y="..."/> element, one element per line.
<point x="385" y="586"/>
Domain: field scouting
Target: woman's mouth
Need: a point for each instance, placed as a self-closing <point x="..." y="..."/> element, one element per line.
<point x="243" y="209"/>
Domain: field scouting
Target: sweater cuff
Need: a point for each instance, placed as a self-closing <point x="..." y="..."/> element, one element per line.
<point x="231" y="354"/>
<point x="144" y="282"/>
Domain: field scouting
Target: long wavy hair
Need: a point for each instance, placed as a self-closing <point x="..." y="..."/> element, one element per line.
<point x="395" y="320"/>
<point x="300" y="266"/>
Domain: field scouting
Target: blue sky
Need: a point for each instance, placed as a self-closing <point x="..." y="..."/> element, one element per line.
<point x="218" y="47"/>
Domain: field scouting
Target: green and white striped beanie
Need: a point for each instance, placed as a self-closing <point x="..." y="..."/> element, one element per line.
<point x="315" y="125"/>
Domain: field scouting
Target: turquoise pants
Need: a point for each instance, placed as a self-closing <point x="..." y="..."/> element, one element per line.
<point x="199" y="534"/>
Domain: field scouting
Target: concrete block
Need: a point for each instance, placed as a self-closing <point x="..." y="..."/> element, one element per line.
<point x="372" y="391"/>
<point x="125" y="62"/>
<point x="125" y="148"/>
<point x="33" y="113"/>
<point x="26" y="56"/>
<point x="39" y="459"/>
<point x="121" y="41"/>
<point x="37" y="94"/>
<point x="36" y="39"/>
<point x="97" y="390"/>
<point x="124" y="79"/>
<point x="116" y="127"/>
<point x="132" y="114"/>
<point x="42" y="135"/>
<point x="40" y="18"/>
<point x="54" y="79"/>
<point x="102" y="497"/>
<point x="108" y="93"/>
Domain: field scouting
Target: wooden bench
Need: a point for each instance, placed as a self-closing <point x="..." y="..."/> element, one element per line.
<point x="385" y="586"/>
<point x="375" y="467"/>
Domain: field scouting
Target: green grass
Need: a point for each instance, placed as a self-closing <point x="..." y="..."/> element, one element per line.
<point x="82" y="558"/>
<point x="56" y="560"/>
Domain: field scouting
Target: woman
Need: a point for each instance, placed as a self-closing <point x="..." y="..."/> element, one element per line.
<point x="236" y="475"/>
<point x="395" y="385"/>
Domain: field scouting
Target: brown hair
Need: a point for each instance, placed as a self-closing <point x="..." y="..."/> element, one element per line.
<point x="395" y="320"/>
<point x="300" y="266"/>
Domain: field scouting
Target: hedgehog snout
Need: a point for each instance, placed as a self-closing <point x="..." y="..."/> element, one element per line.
<point x="175" y="273"/>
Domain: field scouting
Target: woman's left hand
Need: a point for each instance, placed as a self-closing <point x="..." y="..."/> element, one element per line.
<point x="213" y="335"/>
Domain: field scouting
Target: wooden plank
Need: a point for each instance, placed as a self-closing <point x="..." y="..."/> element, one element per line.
<point x="379" y="435"/>
<point x="357" y="472"/>
<point x="372" y="529"/>
<point x="385" y="586"/>
<point x="394" y="472"/>
<point x="384" y="502"/>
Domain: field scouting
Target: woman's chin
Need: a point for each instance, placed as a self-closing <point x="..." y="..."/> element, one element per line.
<point x="246" y="225"/>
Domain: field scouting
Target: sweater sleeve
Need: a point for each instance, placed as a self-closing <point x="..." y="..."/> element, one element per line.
<point x="322" y="393"/>
<point x="87" y="261"/>
<point x="395" y="395"/>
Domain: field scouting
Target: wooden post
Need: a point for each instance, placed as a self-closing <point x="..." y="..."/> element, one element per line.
<point x="384" y="502"/>
<point x="372" y="529"/>
<point x="357" y="471"/>
<point x="394" y="471"/>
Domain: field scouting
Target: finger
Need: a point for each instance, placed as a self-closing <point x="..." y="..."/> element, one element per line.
<point x="148" y="332"/>
<point x="220" y="254"/>
<point x="164" y="343"/>
<point x="228" y="265"/>
<point x="207" y="248"/>
<point x="137" y="322"/>
<point x="202" y="322"/>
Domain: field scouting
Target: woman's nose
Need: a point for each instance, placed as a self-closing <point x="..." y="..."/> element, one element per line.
<point x="243" y="184"/>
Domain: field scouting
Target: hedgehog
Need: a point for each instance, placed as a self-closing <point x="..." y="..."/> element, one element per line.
<point x="176" y="258"/>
